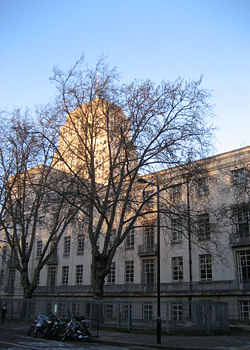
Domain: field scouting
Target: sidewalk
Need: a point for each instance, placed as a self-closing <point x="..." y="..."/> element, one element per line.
<point x="236" y="341"/>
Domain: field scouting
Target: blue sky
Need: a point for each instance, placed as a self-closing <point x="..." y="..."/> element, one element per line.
<point x="159" y="40"/>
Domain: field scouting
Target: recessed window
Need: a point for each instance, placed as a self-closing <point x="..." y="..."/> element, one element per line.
<point x="130" y="239"/>
<point x="65" y="274"/>
<point x="242" y="220"/>
<point x="243" y="262"/>
<point x="203" y="226"/>
<point x="202" y="186"/>
<point x="176" y="230"/>
<point x="66" y="250"/>
<point x="111" y="275"/>
<point x="79" y="274"/>
<point x="205" y="267"/>
<point x="239" y="177"/>
<point x="80" y="244"/>
<point x="177" y="269"/>
<point x="129" y="272"/>
<point x="176" y="192"/>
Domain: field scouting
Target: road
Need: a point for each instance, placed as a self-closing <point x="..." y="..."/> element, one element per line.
<point x="14" y="341"/>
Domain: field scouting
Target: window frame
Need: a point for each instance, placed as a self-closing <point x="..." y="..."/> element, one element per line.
<point x="177" y="268"/>
<point x="206" y="270"/>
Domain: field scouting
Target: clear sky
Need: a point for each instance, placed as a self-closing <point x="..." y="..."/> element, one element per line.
<point x="155" y="39"/>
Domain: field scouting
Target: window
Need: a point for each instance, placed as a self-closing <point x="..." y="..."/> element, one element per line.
<point x="130" y="239"/>
<point x="108" y="310"/>
<point x="76" y="309"/>
<point x="243" y="262"/>
<point x="176" y="192"/>
<point x="176" y="230"/>
<point x="205" y="267"/>
<point x="149" y="236"/>
<point x="80" y="244"/>
<point x="66" y="250"/>
<point x="148" y="273"/>
<point x="129" y="272"/>
<point x="147" y="311"/>
<point x="65" y="275"/>
<point x="52" y="276"/>
<point x="177" y="311"/>
<point x="203" y="226"/>
<point x="112" y="238"/>
<point x="177" y="269"/>
<point x="239" y="177"/>
<point x="111" y="274"/>
<point x="79" y="274"/>
<point x="39" y="248"/>
<point x="244" y="308"/>
<point x="242" y="220"/>
<point x="148" y="197"/>
<point x="1" y="278"/>
<point x="202" y="186"/>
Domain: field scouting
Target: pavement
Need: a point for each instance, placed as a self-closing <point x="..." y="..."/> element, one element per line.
<point x="236" y="340"/>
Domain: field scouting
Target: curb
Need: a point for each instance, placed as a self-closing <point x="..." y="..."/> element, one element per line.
<point x="151" y="346"/>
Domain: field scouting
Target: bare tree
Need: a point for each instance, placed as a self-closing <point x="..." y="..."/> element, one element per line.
<point x="115" y="133"/>
<point x="29" y="194"/>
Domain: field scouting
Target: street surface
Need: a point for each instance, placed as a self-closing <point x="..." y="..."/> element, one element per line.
<point x="14" y="341"/>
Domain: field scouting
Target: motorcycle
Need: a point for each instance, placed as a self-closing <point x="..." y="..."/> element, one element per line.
<point x="75" y="331"/>
<point x="39" y="326"/>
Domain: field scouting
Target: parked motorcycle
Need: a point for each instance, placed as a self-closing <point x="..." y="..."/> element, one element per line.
<point x="39" y="326"/>
<point x="52" y="328"/>
<point x="74" y="330"/>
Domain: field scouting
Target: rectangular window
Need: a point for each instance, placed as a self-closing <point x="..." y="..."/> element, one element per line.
<point x="202" y="186"/>
<point x="177" y="311"/>
<point x="108" y="310"/>
<point x="129" y="272"/>
<point x="52" y="276"/>
<point x="148" y="273"/>
<point x="39" y="248"/>
<point x="147" y="311"/>
<point x="149" y="236"/>
<point x="65" y="275"/>
<point x="243" y="262"/>
<point x="111" y="275"/>
<point x="176" y="230"/>
<point x="242" y="220"/>
<point x="205" y="267"/>
<point x="239" y="177"/>
<point x="176" y="193"/>
<point x="130" y="239"/>
<point x="76" y="309"/>
<point x="148" y="197"/>
<point x="80" y="244"/>
<point x="79" y="274"/>
<point x="66" y="250"/>
<point x="177" y="269"/>
<point x="203" y="226"/>
<point x="244" y="308"/>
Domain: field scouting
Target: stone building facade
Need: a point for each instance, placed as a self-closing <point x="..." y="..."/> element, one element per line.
<point x="204" y="245"/>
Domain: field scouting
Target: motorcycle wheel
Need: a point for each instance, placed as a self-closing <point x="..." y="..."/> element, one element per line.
<point x="31" y="331"/>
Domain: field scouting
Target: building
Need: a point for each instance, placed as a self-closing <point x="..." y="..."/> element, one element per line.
<point x="204" y="242"/>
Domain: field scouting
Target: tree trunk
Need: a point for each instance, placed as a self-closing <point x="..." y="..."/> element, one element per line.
<point x="98" y="274"/>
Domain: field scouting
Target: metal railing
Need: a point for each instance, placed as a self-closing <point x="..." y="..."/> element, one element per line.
<point x="130" y="315"/>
